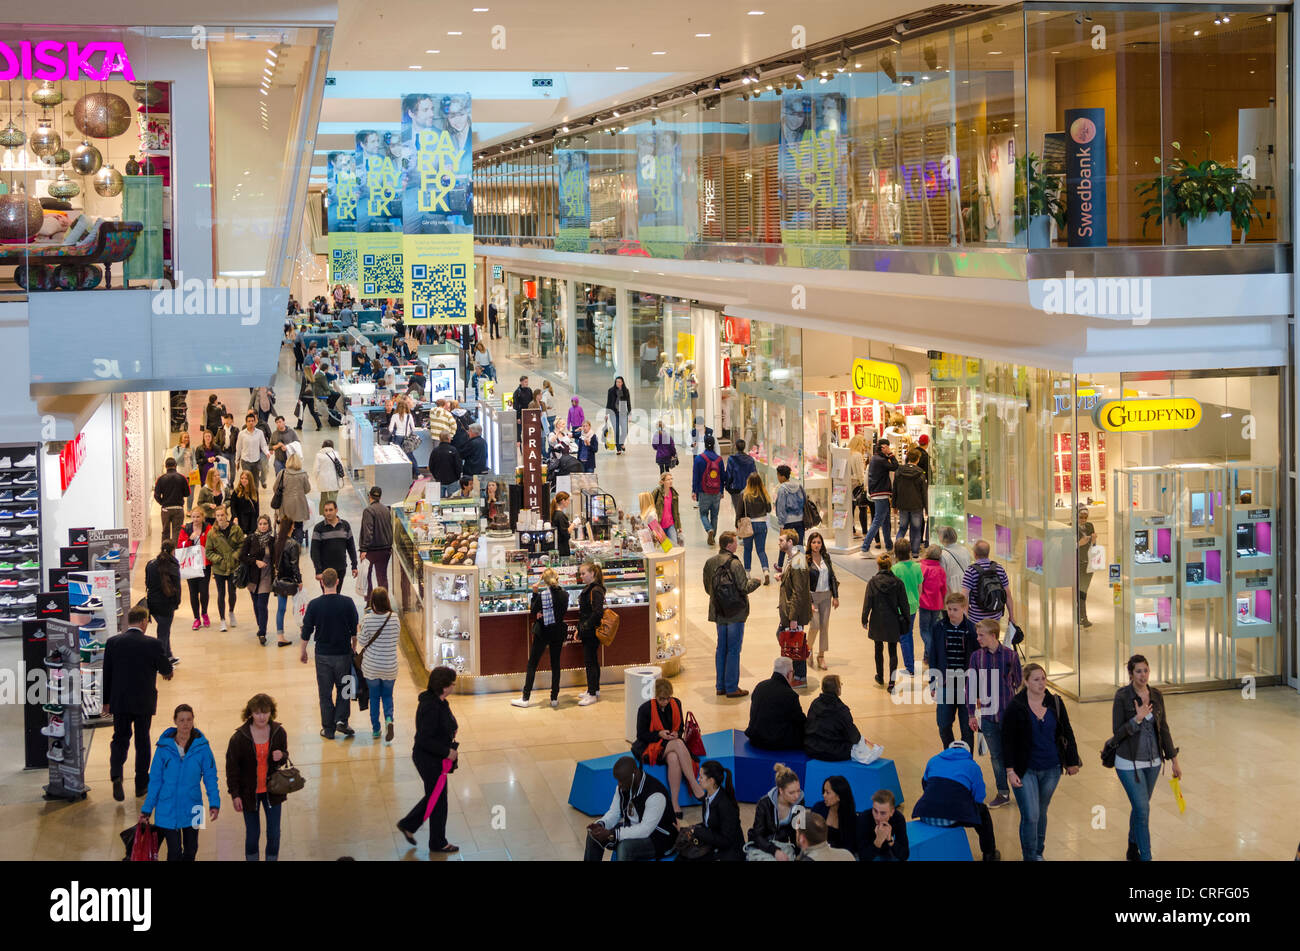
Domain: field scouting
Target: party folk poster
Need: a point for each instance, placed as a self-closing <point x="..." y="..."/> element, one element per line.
<point x="342" y="193"/>
<point x="379" y="213"/>
<point x="813" y="172"/>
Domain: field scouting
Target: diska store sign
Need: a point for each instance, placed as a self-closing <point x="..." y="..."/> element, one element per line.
<point x="54" y="60"/>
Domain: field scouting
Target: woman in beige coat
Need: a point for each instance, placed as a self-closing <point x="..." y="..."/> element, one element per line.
<point x="294" y="484"/>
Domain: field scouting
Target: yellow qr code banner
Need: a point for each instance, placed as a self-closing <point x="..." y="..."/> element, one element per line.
<point x="380" y="254"/>
<point x="439" y="274"/>
<point x="343" y="258"/>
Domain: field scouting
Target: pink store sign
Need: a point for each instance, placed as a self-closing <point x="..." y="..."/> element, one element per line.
<point x="55" y="60"/>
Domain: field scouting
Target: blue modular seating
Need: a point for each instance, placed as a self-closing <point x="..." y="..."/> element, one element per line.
<point x="929" y="843"/>
<point x="753" y="769"/>
<point x="593" y="784"/>
<point x="863" y="780"/>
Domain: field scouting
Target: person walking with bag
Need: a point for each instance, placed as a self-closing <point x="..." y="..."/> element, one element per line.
<point x="162" y="585"/>
<point x="884" y="616"/>
<point x="255" y="752"/>
<point x="257" y="556"/>
<point x="288" y="576"/>
<point x="223" y="546"/>
<point x="794" y="601"/>
<point x="1140" y="744"/>
<point x="1087" y="537"/>
<point x="735" y="476"/>
<point x="329" y="472"/>
<point x="788" y="507"/>
<point x="618" y="401"/>
<point x="755" y="505"/>
<point x="380" y="632"/>
<point x="546" y="621"/>
<point x="292" y="486"/>
<point x="664" y="447"/>
<point x="436" y="754"/>
<point x="183" y="766"/>
<point x="728" y="585"/>
<point x="171" y="491"/>
<point x="591" y="609"/>
<point x="196" y="536"/>
<point x="706" y="487"/>
<point x="824" y="589"/>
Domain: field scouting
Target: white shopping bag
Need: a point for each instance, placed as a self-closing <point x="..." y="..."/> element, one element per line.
<point x="1096" y="558"/>
<point x="300" y="605"/>
<point x="191" y="561"/>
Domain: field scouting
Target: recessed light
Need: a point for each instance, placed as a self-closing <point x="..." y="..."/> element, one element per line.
<point x="995" y="52"/>
<point x="703" y="35"/>
<point x="620" y="67"/>
<point x="433" y="51"/>
<point x="270" y="62"/>
<point x="479" y="10"/>
<point x="756" y="13"/>
<point x="415" y="67"/>
<point x="273" y="52"/>
<point x="659" y="53"/>
<point x="1056" y="52"/>
<point x="455" y="33"/>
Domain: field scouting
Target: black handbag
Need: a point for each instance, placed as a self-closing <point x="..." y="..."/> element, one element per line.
<point x="277" y="497"/>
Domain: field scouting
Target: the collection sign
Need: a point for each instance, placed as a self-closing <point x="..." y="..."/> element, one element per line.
<point x="878" y="380"/>
<point x="1147" y="415"/>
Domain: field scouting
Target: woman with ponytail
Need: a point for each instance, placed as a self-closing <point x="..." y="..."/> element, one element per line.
<point x="560" y="521"/>
<point x="720" y="832"/>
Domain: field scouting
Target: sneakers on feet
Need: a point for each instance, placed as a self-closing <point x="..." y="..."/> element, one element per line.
<point x="223" y="625"/>
<point x="388" y="733"/>
<point x="232" y="614"/>
<point x="197" y="625"/>
<point x="1001" y="799"/>
<point x="555" y="704"/>
<point x="587" y="700"/>
<point x="206" y="622"/>
<point x="345" y="729"/>
<point x="520" y="702"/>
<point x="327" y="734"/>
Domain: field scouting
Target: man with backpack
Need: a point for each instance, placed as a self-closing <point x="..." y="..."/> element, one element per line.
<point x="987" y="588"/>
<point x="706" y="487"/>
<point x="728" y="585"/>
<point x="740" y="465"/>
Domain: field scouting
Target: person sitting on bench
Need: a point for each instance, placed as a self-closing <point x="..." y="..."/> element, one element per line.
<point x="638" y="825"/>
<point x="776" y="718"/>
<point x="953" y="795"/>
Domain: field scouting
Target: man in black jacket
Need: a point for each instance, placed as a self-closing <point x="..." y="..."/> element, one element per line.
<point x="171" y="492"/>
<point x="376" y="539"/>
<point x="911" y="494"/>
<point x="880" y="491"/>
<point x="638" y="826"/>
<point x="521" y="399"/>
<point x="132" y="662"/>
<point x="332" y="545"/>
<point x="333" y="619"/>
<point x="473" y="456"/>
<point x="776" y="719"/>
<point x="444" y="465"/>
<point x="227" y="438"/>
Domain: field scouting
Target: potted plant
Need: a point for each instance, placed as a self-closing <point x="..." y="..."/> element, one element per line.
<point x="1204" y="196"/>
<point x="1037" y="203"/>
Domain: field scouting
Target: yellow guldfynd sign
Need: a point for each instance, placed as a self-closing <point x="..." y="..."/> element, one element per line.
<point x="877" y="380"/>
<point x="1147" y="415"/>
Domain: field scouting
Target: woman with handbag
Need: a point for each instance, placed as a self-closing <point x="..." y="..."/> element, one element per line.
<point x="588" y="446"/>
<point x="546" y="621"/>
<point x="288" y="576"/>
<point x="255" y="752"/>
<point x="885" y="612"/>
<point x="755" y="505"/>
<point x="1037" y="744"/>
<point x="824" y="588"/>
<point x="184" y="456"/>
<point x="718" y="837"/>
<point x="666" y="507"/>
<point x="435" y="754"/>
<point x="858" y="481"/>
<point x="258" y="559"/>
<point x="618" y="401"/>
<point x="196" y="535"/>
<point x="1140" y="745"/>
<point x="660" y="727"/>
<point x="292" y="486"/>
<point x="244" y="504"/>
<point x="401" y="432"/>
<point x="225" y="541"/>
<point x="591" y="606"/>
<point x="665" y="449"/>
<point x="380" y="632"/>
<point x="162" y="585"/>
<point x="794" y="601"/>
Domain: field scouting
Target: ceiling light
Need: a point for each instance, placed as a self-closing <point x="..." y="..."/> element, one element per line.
<point x="659" y="53"/>
<point x="703" y="35"/>
<point x="479" y="10"/>
<point x="415" y="67"/>
<point x="995" y="52"/>
<point x="620" y="67"/>
<point x="769" y="87"/>
<point x="273" y="53"/>
<point x="455" y="33"/>
<point x="433" y="51"/>
<point x="564" y="128"/>
<point x="822" y="80"/>
<point x="1196" y="32"/>
<point x="270" y="62"/>
<point x="906" y="81"/>
<point x="615" y="113"/>
<point x="756" y="13"/>
<point x="717" y="84"/>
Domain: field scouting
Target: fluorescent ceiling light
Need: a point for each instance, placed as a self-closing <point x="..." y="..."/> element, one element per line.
<point x="270" y="62"/>
<point x="479" y="10"/>
<point x="273" y="52"/>
<point x="415" y="67"/>
<point x="756" y="13"/>
<point x="659" y="53"/>
<point x="433" y="51"/>
<point x="620" y="67"/>
<point x="703" y="35"/>
<point x="455" y="33"/>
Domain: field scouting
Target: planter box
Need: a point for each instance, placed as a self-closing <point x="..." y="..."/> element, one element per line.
<point x="1039" y="234"/>
<point x="1215" y="229"/>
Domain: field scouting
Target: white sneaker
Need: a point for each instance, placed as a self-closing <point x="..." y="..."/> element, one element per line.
<point x="520" y="702"/>
<point x="27" y="462"/>
<point x="223" y="626"/>
<point x="232" y="620"/>
<point x="555" y="704"/>
<point x="587" y="699"/>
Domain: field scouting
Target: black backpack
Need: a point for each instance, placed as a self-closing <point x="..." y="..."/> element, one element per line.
<point x="728" y="600"/>
<point x="989" y="595"/>
<point x="811" y="516"/>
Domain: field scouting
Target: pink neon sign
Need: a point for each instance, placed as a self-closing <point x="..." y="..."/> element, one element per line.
<point x="54" y="60"/>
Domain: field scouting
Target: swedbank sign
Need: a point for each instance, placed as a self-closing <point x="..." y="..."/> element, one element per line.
<point x="1147" y="415"/>
<point x="878" y="380"/>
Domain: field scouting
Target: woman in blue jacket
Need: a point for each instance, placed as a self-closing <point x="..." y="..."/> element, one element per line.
<point x="182" y="762"/>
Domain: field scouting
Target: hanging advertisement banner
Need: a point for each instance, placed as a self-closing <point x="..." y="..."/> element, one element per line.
<point x="661" y="227"/>
<point x="575" y="201"/>
<point x="813" y="173"/>
<point x="531" y="459"/>
<point x="997" y="177"/>
<point x="1085" y="177"/>
<point x="341" y="195"/>
<point x="379" y="213"/>
<point x="437" y="208"/>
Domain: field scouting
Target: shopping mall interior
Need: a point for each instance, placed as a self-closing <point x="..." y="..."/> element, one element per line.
<point x="1018" y="277"/>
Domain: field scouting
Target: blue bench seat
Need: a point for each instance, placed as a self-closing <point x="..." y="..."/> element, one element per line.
<point x="593" y="784"/>
<point x="937" y="843"/>
<point x="863" y="780"/>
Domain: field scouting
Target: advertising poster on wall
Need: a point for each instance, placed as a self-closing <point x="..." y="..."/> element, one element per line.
<point x="379" y="213"/>
<point x="575" y="201"/>
<point x="437" y="208"/>
<point x="342" y="193"/>
<point x="1085" y="177"/>
<point x="813" y="171"/>
<point x="660" y="219"/>
<point x="997" y="177"/>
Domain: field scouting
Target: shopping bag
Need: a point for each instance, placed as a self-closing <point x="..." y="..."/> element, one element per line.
<point x="1176" y="784"/>
<point x="194" y="477"/>
<point x="191" y="561"/>
<point x="300" y="605"/>
<point x="1096" y="558"/>
<point x="794" y="643"/>
<point x="144" y="842"/>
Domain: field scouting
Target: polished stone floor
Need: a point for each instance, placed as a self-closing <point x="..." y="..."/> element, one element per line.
<point x="1241" y="773"/>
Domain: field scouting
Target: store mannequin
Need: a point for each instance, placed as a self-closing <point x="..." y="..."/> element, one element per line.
<point x="665" y="374"/>
<point x="727" y="406"/>
<point x="692" y="387"/>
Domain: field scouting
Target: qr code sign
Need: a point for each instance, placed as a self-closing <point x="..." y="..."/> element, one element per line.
<point x="381" y="274"/>
<point x="343" y="265"/>
<point x="439" y="290"/>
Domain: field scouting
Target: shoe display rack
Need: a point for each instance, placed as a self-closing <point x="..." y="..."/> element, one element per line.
<point x="65" y="752"/>
<point x="179" y="405"/>
<point x="20" y="536"/>
<point x="96" y="607"/>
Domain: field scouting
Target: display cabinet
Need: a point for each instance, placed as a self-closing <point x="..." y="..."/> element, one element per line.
<point x="1252" y="516"/>
<point x="1144" y="543"/>
<point x="1045" y="596"/>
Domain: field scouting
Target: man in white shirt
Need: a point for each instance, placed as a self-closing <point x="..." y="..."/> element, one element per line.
<point x="638" y="825"/>
<point x="251" y="447"/>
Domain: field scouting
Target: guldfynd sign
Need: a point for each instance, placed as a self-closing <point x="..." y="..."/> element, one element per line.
<point x="878" y="380"/>
<point x="1147" y="415"/>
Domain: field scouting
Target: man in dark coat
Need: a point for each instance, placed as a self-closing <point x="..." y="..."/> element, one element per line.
<point x="132" y="662"/>
<point x="776" y="719"/>
<point x="473" y="455"/>
<point x="444" y="465"/>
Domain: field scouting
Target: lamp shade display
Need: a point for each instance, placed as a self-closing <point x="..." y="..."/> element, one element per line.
<point x="11" y="136"/>
<point x="86" y="159"/>
<point x="108" y="182"/>
<point x="47" y="95"/>
<point x="45" y="141"/>
<point x="101" y="115"/>
<point x="20" y="216"/>
<point x="64" y="187"/>
<point x="61" y="157"/>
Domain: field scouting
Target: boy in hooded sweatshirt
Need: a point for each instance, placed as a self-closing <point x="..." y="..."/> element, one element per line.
<point x="953" y="795"/>
<point x="576" y="416"/>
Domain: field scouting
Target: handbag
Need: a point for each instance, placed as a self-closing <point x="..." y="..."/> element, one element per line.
<point x="693" y="738"/>
<point x="689" y="847"/>
<point x="744" y="527"/>
<point x="409" y="443"/>
<point x="363" y="688"/>
<point x="241" y="575"/>
<point x="794" y="644"/>
<point x="285" y="780"/>
<point x="277" y="497"/>
<point x="673" y="461"/>
<point x="607" y="627"/>
<point x="1108" y="753"/>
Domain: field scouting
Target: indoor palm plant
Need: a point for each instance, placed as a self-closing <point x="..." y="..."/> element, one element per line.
<point x="1206" y="197"/>
<point x="1038" y="199"/>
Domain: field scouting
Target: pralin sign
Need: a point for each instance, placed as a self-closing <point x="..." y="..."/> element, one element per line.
<point x="878" y="380"/>
<point x="1144" y="416"/>
<point x="55" y="60"/>
<point x="531" y="458"/>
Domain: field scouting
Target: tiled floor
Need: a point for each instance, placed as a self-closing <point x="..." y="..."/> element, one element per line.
<point x="1241" y="773"/>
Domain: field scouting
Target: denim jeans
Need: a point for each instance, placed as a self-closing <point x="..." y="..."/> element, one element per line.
<point x="757" y="540"/>
<point x="628" y="850"/>
<point x="336" y="691"/>
<point x="905" y="645"/>
<point x="253" y="828"/>
<point x="991" y="730"/>
<point x="710" y="502"/>
<point x="928" y="619"/>
<point x="916" y="519"/>
<point x="381" y="691"/>
<point x="1138" y="785"/>
<point x="281" y="605"/>
<point x="261" y="600"/>
<point x="879" y="523"/>
<point x="671" y="532"/>
<point x="727" y="657"/>
<point x="943" y="715"/>
<point x="1033" y="798"/>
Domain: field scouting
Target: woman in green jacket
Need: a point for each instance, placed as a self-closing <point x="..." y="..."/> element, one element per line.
<point x="225" y="539"/>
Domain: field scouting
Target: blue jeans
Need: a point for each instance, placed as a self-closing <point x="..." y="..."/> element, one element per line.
<point x="281" y="604"/>
<point x="253" y="828"/>
<point x="381" y="691"/>
<point x="916" y="519"/>
<point x="671" y="532"/>
<point x="1033" y="798"/>
<point x="992" y="732"/>
<point x="709" y="503"/>
<point x="905" y="645"/>
<point x="759" y="541"/>
<point x="879" y="523"/>
<point x="1139" y="784"/>
<point x="928" y="619"/>
<point x="943" y="715"/>
<point x="727" y="658"/>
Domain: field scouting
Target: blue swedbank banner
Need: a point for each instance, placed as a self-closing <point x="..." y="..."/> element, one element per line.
<point x="342" y="194"/>
<point x="1085" y="177"/>
<point x="437" y="207"/>
<point x="575" y="201"/>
